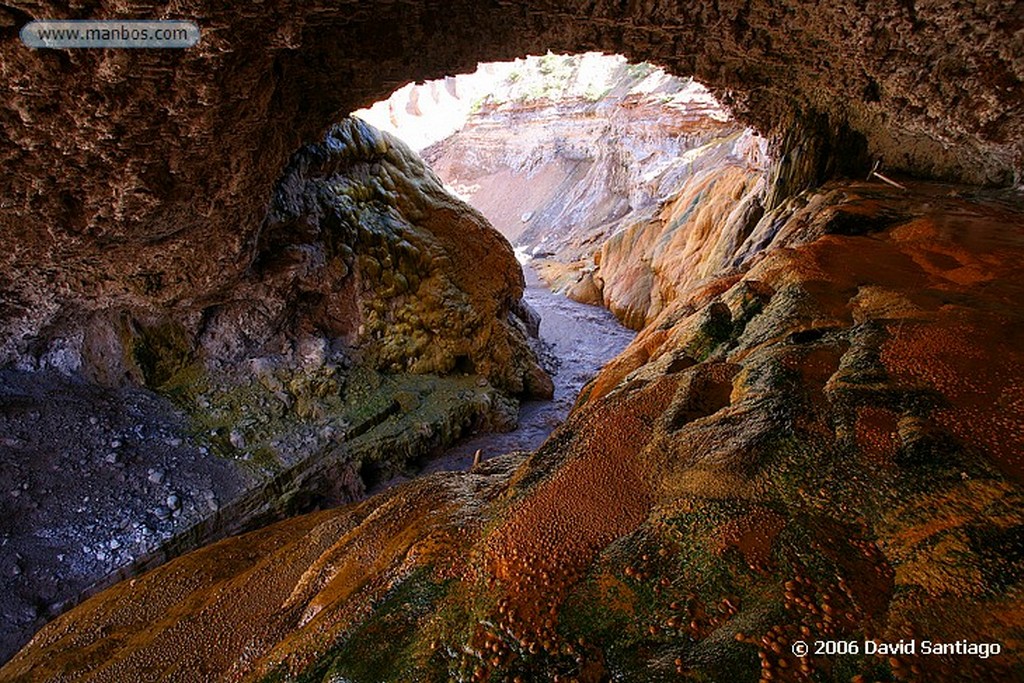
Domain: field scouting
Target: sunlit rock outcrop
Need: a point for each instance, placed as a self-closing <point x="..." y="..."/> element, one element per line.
<point x="568" y="147"/>
<point x="624" y="184"/>
<point x="702" y="231"/>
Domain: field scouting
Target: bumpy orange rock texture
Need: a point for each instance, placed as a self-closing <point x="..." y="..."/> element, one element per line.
<point x="804" y="450"/>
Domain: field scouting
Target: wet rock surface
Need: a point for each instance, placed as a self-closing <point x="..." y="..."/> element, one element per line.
<point x="793" y="452"/>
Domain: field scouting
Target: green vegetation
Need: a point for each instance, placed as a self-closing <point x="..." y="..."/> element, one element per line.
<point x="640" y="70"/>
<point x="159" y="352"/>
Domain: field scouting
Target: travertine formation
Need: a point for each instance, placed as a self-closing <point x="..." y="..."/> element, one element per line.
<point x="363" y="249"/>
<point x="800" y="451"/>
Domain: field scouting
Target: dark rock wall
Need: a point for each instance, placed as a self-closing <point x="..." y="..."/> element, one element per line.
<point x="140" y="178"/>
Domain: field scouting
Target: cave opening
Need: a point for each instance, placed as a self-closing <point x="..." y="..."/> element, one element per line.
<point x="818" y="416"/>
<point x="588" y="164"/>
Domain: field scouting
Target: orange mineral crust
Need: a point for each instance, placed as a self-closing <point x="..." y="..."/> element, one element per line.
<point x="825" y="445"/>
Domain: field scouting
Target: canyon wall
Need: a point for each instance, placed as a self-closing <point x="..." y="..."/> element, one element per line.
<point x="621" y="184"/>
<point x="568" y="148"/>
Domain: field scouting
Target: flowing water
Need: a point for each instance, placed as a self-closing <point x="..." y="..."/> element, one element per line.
<point x="583" y="338"/>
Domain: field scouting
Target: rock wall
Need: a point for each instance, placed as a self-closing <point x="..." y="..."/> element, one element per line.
<point x="806" y="449"/>
<point x="700" y="233"/>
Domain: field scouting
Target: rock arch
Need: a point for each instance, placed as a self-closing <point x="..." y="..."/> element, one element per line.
<point x="143" y="176"/>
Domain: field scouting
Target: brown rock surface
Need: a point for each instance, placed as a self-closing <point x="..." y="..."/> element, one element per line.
<point x="699" y="233"/>
<point x="791" y="453"/>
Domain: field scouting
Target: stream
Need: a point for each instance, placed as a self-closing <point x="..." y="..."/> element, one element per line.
<point x="583" y="338"/>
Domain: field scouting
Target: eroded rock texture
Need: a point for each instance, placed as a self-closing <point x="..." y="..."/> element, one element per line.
<point x="711" y="223"/>
<point x="363" y="247"/>
<point x="819" y="436"/>
<point x="140" y="178"/>
<point x="806" y="449"/>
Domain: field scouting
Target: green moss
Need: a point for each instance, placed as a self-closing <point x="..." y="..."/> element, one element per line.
<point x="405" y="414"/>
<point x="389" y="645"/>
<point x="159" y="352"/>
<point x="614" y="609"/>
<point x="715" y="328"/>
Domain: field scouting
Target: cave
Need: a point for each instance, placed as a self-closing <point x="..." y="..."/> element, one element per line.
<point x="222" y="299"/>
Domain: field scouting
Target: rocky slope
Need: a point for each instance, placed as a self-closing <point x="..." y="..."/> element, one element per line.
<point x="381" y="320"/>
<point x="805" y="449"/>
<point x="704" y="229"/>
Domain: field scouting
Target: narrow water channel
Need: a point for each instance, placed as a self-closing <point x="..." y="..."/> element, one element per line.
<point x="583" y="338"/>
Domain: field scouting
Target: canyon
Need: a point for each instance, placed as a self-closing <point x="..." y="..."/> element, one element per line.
<point x="235" y="322"/>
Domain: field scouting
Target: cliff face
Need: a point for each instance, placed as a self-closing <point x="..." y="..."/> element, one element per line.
<point x="568" y="148"/>
<point x="805" y="449"/>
